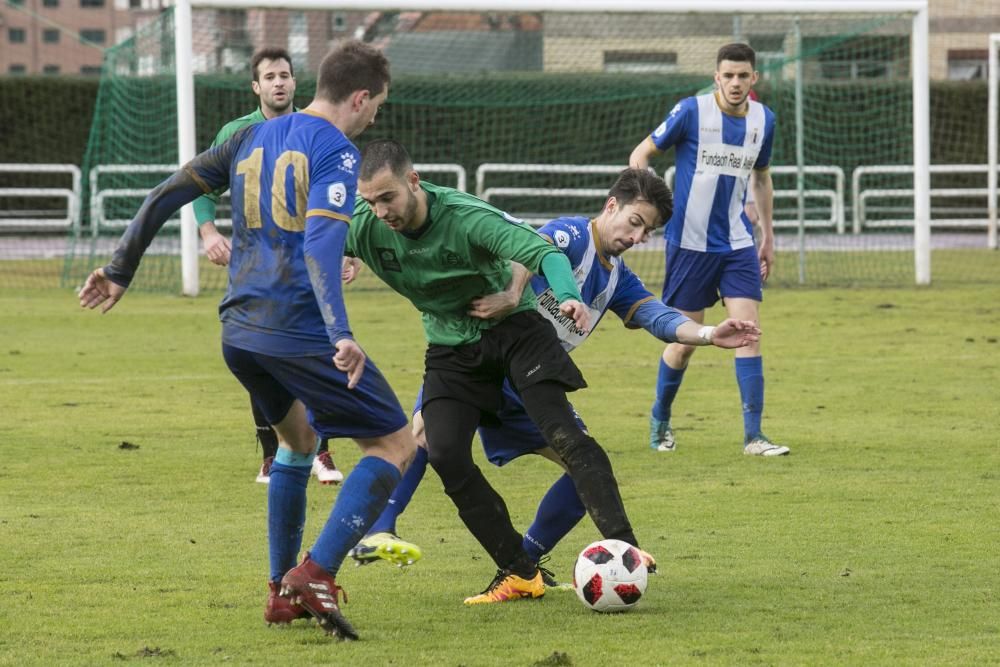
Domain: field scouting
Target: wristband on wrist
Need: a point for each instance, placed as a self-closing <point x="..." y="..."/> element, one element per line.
<point x="705" y="333"/>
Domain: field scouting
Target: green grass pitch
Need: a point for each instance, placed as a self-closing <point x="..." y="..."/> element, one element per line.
<point x="875" y="542"/>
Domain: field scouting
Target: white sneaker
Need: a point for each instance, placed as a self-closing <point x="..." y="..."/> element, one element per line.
<point x="661" y="435"/>
<point x="761" y="446"/>
<point x="325" y="469"/>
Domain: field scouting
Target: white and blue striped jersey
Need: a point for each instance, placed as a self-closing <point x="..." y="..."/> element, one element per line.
<point x="716" y="152"/>
<point x="605" y="283"/>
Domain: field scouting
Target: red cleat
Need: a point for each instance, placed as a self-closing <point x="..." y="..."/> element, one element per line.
<point x="312" y="587"/>
<point x="279" y="609"/>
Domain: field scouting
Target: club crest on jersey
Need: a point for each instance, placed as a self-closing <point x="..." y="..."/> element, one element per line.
<point x="336" y="194"/>
<point x="347" y="161"/>
<point x="662" y="127"/>
<point x="388" y="260"/>
<point x="561" y="238"/>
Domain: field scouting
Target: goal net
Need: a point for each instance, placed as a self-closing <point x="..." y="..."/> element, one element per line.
<point x="537" y="111"/>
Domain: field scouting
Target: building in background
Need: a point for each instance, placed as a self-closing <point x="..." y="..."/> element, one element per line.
<point x="68" y="36"/>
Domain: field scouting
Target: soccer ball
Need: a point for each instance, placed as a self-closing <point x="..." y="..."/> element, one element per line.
<point x="610" y="576"/>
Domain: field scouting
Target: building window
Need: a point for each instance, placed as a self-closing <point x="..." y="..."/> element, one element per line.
<point x="50" y="69"/>
<point x="640" y="61"/>
<point x="338" y="22"/>
<point x="16" y="35"/>
<point x="967" y="64"/>
<point x="91" y="70"/>
<point x="50" y="36"/>
<point x="91" y="3"/>
<point x="15" y="3"/>
<point x="869" y="57"/>
<point x="17" y="69"/>
<point x="93" y="36"/>
<point x="50" y="3"/>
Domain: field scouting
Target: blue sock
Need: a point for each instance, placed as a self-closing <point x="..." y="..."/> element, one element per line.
<point x="668" y="381"/>
<point x="361" y="499"/>
<point x="286" y="512"/>
<point x="560" y="510"/>
<point x="386" y="522"/>
<point x="750" y="378"/>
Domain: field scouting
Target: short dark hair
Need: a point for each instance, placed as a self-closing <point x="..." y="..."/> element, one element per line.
<point x="351" y="67"/>
<point x="737" y="52"/>
<point x="382" y="153"/>
<point x="269" y="53"/>
<point x="643" y="185"/>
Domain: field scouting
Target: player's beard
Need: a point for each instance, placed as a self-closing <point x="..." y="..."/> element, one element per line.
<point x="742" y="101"/>
<point x="410" y="211"/>
<point x="278" y="108"/>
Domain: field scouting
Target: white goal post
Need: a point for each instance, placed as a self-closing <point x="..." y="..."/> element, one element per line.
<point x="919" y="58"/>
<point x="993" y="72"/>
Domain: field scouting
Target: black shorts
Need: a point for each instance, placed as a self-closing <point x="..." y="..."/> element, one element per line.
<point x="523" y="348"/>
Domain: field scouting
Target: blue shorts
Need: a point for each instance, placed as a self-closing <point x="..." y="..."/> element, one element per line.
<point x="695" y="280"/>
<point x="515" y="436"/>
<point x="369" y="410"/>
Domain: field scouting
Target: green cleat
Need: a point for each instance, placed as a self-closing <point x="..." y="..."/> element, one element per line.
<point x="387" y="547"/>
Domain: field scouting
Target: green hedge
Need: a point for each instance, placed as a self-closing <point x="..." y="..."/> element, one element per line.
<point x="510" y="118"/>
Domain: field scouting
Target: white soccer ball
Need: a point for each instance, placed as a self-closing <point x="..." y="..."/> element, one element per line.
<point x="610" y="576"/>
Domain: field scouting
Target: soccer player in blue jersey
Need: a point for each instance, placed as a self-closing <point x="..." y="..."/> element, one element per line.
<point x="273" y="83"/>
<point x="638" y="203"/>
<point x="285" y="331"/>
<point x="723" y="142"/>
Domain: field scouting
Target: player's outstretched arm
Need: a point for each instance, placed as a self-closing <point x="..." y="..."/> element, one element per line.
<point x="99" y="290"/>
<point x="729" y="333"/>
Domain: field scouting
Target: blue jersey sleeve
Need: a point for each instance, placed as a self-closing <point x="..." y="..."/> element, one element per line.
<point x="332" y="190"/>
<point x="764" y="157"/>
<point x="323" y="249"/>
<point x="675" y="126"/>
<point x="333" y="184"/>
<point x="637" y="308"/>
<point x="658" y="319"/>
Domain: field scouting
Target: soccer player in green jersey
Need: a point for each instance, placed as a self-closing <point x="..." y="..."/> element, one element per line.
<point x="274" y="84"/>
<point x="441" y="249"/>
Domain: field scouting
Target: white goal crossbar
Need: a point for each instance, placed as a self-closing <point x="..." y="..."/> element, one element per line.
<point x="918" y="50"/>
